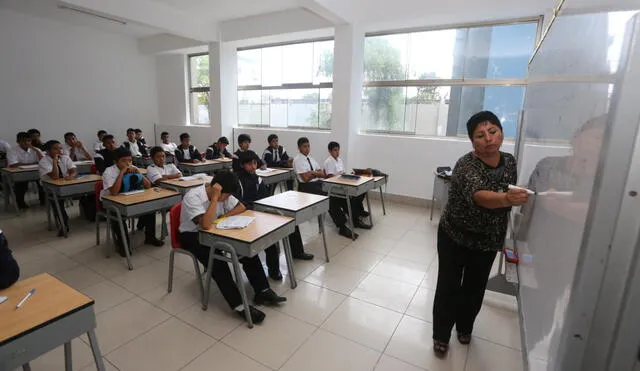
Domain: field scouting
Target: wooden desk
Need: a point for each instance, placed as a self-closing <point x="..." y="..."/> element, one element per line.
<point x="12" y="175"/>
<point x="208" y="166"/>
<point x="338" y="186"/>
<point x="83" y="167"/>
<point x="54" y="315"/>
<point x="300" y="206"/>
<point x="121" y="207"/>
<point x="276" y="176"/>
<point x="264" y="231"/>
<point x="60" y="188"/>
<point x="227" y="163"/>
<point x="183" y="186"/>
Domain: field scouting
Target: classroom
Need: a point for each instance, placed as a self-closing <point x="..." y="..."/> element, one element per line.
<point x="311" y="185"/>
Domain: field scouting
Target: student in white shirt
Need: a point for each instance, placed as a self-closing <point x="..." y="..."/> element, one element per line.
<point x="333" y="165"/>
<point x="75" y="149"/>
<point x="166" y="145"/>
<point x="159" y="170"/>
<point x="24" y="153"/>
<point x="5" y="146"/>
<point x="132" y="144"/>
<point x="115" y="178"/>
<point x="99" y="146"/>
<point x="310" y="175"/>
<point x="200" y="207"/>
<point x="56" y="165"/>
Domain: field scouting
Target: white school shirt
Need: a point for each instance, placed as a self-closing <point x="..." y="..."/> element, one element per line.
<point x="185" y="153"/>
<point x="333" y="166"/>
<point x="5" y="146"/>
<point x="135" y="150"/>
<point x="195" y="203"/>
<point x="19" y="155"/>
<point x="66" y="150"/>
<point x="169" y="147"/>
<point x="45" y="166"/>
<point x="109" y="178"/>
<point x="301" y="165"/>
<point x="98" y="146"/>
<point x="154" y="173"/>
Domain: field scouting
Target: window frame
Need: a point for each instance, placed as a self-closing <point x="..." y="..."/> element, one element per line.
<point x="200" y="89"/>
<point x="285" y="86"/>
<point x="457" y="82"/>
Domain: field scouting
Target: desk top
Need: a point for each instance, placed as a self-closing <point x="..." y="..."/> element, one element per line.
<point x="18" y="170"/>
<point x="263" y="224"/>
<point x="224" y="160"/>
<point x="275" y="172"/>
<point x="291" y="200"/>
<point x="84" y="162"/>
<point x="52" y="300"/>
<point x="82" y="179"/>
<point x="205" y="163"/>
<point x="187" y="183"/>
<point x="348" y="182"/>
<point x="150" y="194"/>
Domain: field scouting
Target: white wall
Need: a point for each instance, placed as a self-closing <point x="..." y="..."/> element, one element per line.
<point x="287" y="138"/>
<point x="171" y="77"/>
<point x="56" y="77"/>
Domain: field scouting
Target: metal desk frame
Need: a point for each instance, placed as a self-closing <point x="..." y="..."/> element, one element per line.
<point x="9" y="178"/>
<point x="346" y="191"/>
<point x="56" y="192"/>
<point x="207" y="168"/>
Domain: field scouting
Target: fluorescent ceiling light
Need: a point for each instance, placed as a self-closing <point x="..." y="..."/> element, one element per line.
<point x="90" y="13"/>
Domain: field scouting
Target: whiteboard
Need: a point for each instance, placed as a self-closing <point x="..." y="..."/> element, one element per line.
<point x="574" y="99"/>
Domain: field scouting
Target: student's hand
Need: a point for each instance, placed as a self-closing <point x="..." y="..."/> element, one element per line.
<point x="55" y="157"/>
<point x="202" y="160"/>
<point x="517" y="197"/>
<point x="69" y="177"/>
<point x="263" y="167"/>
<point x="133" y="170"/>
<point x="217" y="190"/>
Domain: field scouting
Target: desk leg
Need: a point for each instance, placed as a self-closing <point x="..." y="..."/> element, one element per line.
<point x="59" y="212"/>
<point x="384" y="210"/>
<point x="289" y="258"/>
<point x="26" y="367"/>
<point x="324" y="237"/>
<point x="125" y="238"/>
<point x="433" y="198"/>
<point x="47" y="207"/>
<point x="237" y="270"/>
<point x="95" y="349"/>
<point x="353" y="228"/>
<point x="11" y="195"/>
<point x="163" y="229"/>
<point x="68" y="359"/>
<point x="207" y="278"/>
<point x="369" y="209"/>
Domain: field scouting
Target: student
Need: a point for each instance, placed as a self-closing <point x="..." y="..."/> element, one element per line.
<point x="244" y="140"/>
<point x="75" y="149"/>
<point x="159" y="170"/>
<point x="98" y="146"/>
<point x="333" y="165"/>
<point x="106" y="157"/>
<point x="187" y="152"/>
<point x="166" y="145"/>
<point x="140" y="138"/>
<point x="9" y="269"/>
<point x="251" y="190"/>
<point x="276" y="156"/>
<point x="132" y="144"/>
<point x="5" y="146"/>
<point x="218" y="149"/>
<point x="57" y="165"/>
<point x="123" y="177"/>
<point x="24" y="153"/>
<point x="200" y="207"/>
<point x="310" y="175"/>
<point x="34" y="134"/>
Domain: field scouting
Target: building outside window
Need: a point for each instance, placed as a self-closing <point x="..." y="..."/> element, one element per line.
<point x="199" y="88"/>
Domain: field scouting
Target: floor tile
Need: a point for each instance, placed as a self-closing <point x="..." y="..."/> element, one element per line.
<point x="273" y="341"/>
<point x="377" y="244"/>
<point x="28" y="253"/>
<point x="141" y="280"/>
<point x="430" y="281"/>
<point x="401" y="270"/>
<point x="311" y="303"/>
<point x="106" y="294"/>
<point x="418" y="253"/>
<point x="124" y="322"/>
<point x="184" y="294"/>
<point x="486" y="356"/>
<point x="499" y="326"/>
<point x="79" y="277"/>
<point x="107" y="366"/>
<point x="115" y="265"/>
<point x="412" y="343"/>
<point x="385" y="292"/>
<point x="54" y="360"/>
<point x="358" y="259"/>
<point x="337" y="278"/>
<point x="52" y="264"/>
<point x="223" y="358"/>
<point x="422" y="237"/>
<point x="325" y="351"/>
<point x="335" y="246"/>
<point x="387" y="363"/>
<point x="364" y="323"/>
<point x="422" y="305"/>
<point x="217" y="321"/>
<point x="168" y="346"/>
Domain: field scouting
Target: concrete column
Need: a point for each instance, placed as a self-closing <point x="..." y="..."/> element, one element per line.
<point x="215" y="98"/>
<point x="223" y="104"/>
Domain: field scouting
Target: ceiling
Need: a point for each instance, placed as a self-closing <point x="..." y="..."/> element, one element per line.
<point x="224" y="10"/>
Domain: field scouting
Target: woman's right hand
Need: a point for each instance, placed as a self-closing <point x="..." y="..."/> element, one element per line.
<point x="517" y="197"/>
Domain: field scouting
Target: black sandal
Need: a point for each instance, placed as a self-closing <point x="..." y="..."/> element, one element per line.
<point x="464" y="339"/>
<point x="440" y="348"/>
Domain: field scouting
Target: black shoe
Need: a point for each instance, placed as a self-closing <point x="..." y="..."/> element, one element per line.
<point x="268" y="297"/>
<point x="304" y="256"/>
<point x="60" y="233"/>
<point x="364" y="214"/>
<point x="153" y="242"/>
<point x="275" y="275"/>
<point x="346" y="232"/>
<point x="22" y="206"/>
<point x="257" y="316"/>
<point x="362" y="225"/>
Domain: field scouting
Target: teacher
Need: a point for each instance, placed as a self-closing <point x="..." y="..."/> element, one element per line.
<point x="472" y="229"/>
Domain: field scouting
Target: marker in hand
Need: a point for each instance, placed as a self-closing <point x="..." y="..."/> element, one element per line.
<point x="515" y="187"/>
<point x="31" y="292"/>
<point x="546" y="193"/>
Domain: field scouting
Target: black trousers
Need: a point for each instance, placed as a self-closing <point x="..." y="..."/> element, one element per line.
<point x="337" y="206"/>
<point x="221" y="272"/>
<point x="9" y="270"/>
<point x="462" y="280"/>
<point x="272" y="253"/>
<point x="20" y="190"/>
<point x="147" y="221"/>
<point x="63" y="211"/>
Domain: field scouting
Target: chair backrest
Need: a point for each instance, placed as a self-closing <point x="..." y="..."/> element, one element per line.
<point x="174" y="220"/>
<point x="98" y="189"/>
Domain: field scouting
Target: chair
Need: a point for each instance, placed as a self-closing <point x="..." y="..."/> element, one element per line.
<point x="94" y="169"/>
<point x="174" y="219"/>
<point x="100" y="213"/>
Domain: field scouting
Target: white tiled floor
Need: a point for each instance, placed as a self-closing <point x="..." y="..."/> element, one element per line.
<point x="369" y="309"/>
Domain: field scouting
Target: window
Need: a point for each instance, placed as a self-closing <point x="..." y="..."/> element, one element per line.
<point x="430" y="82"/>
<point x="286" y="85"/>
<point x="199" y="88"/>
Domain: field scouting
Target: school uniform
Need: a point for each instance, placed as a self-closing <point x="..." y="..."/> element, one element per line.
<point x="277" y="157"/>
<point x="137" y="149"/>
<point x="169" y="147"/>
<point x="148" y="221"/>
<point x="194" y="204"/>
<point x="155" y="172"/>
<point x="103" y="159"/>
<point x="236" y="159"/>
<point x="29" y="156"/>
<point x="45" y="167"/>
<point x="9" y="269"/>
<point x="213" y="153"/>
<point x="187" y="155"/>
<point x="74" y="153"/>
<point x="97" y="147"/>
<point x="336" y="167"/>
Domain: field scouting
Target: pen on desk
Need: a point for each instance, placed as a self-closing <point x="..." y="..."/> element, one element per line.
<point x="31" y="292"/>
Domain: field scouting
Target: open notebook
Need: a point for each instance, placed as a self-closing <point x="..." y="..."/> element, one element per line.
<point x="193" y="177"/>
<point x="235" y="222"/>
<point x="28" y="167"/>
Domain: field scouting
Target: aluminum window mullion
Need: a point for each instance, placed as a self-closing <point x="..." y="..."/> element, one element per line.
<point x="425" y="83"/>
